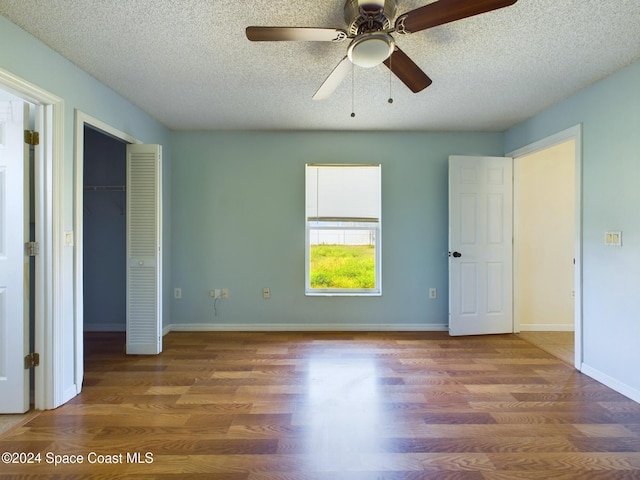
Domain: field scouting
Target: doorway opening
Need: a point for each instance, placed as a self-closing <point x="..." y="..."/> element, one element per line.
<point x="49" y="389"/>
<point x="104" y="232"/>
<point x="547" y="245"/>
<point x="106" y="168"/>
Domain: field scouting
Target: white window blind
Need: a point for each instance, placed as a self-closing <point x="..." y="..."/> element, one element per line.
<point x="344" y="192"/>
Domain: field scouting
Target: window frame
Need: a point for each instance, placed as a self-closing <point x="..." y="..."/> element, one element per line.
<point x="365" y="224"/>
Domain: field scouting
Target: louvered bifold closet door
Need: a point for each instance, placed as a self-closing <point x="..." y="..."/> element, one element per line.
<point x="144" y="267"/>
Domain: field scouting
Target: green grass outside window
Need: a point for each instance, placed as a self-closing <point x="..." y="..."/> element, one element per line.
<point x="342" y="266"/>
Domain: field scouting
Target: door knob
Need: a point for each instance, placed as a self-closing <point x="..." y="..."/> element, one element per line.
<point x="455" y="254"/>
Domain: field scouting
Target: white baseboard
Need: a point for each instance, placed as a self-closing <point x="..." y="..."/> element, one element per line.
<point x="611" y="382"/>
<point x="304" y="327"/>
<point x="104" y="327"/>
<point x="547" y="327"/>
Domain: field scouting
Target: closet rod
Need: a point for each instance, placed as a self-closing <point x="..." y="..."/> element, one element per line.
<point x="105" y="188"/>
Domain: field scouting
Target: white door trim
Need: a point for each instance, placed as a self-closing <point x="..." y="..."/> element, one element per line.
<point x="572" y="133"/>
<point x="82" y="119"/>
<point x="50" y="265"/>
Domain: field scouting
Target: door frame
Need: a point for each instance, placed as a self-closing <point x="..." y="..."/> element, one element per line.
<point x="82" y="119"/>
<point x="572" y="133"/>
<point x="49" y="297"/>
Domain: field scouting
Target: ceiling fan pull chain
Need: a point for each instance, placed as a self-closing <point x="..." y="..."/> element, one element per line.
<point x="390" y="79"/>
<point x="353" y="90"/>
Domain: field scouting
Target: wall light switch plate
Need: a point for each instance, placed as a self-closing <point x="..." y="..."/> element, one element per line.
<point x="266" y="292"/>
<point x="68" y="239"/>
<point x="613" y="239"/>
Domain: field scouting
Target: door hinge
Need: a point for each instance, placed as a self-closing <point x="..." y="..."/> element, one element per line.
<point x="31" y="137"/>
<point x="31" y="360"/>
<point x="31" y="249"/>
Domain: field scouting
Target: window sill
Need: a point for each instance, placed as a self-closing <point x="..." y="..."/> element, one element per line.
<point x="343" y="294"/>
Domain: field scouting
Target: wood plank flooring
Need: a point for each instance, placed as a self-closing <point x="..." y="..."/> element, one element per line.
<point x="558" y="344"/>
<point x="320" y="406"/>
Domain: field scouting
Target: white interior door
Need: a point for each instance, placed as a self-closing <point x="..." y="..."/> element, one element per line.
<point x="14" y="264"/>
<point x="480" y="245"/>
<point x="144" y="252"/>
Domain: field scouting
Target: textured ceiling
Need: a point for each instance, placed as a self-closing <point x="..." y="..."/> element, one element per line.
<point x="189" y="64"/>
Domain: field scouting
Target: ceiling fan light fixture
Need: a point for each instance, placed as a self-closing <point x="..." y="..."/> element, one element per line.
<point x="371" y="49"/>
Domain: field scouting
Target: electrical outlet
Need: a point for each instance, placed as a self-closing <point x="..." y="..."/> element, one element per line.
<point x="433" y="293"/>
<point x="177" y="293"/>
<point x="215" y="293"/>
<point x="225" y="293"/>
<point x="266" y="292"/>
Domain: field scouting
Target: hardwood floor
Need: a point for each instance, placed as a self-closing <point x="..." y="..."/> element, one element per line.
<point x="11" y="421"/>
<point x="320" y="406"/>
<point x="558" y="344"/>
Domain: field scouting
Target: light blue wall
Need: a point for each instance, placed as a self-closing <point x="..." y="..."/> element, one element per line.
<point x="610" y="114"/>
<point x="238" y="223"/>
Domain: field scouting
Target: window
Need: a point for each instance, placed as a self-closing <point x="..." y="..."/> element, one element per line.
<point x="343" y="204"/>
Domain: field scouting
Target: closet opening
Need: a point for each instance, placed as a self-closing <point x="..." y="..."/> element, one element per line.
<point x="104" y="232"/>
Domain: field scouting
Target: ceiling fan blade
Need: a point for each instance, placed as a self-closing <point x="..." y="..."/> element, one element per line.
<point x="334" y="79"/>
<point x="445" y="11"/>
<point x="407" y="71"/>
<point x="305" y="34"/>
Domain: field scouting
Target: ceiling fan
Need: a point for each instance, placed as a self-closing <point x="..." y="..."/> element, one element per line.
<point x="369" y="29"/>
